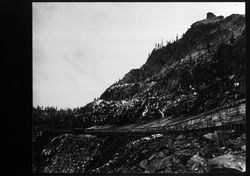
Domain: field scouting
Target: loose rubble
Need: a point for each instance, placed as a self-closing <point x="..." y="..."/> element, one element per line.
<point x="159" y="153"/>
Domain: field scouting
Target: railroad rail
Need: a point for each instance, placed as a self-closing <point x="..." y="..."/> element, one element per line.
<point x="230" y="116"/>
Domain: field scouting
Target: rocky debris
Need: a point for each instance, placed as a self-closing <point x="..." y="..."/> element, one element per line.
<point x="184" y="155"/>
<point x="179" y="160"/>
<point x="228" y="161"/>
<point x="158" y="153"/>
<point x="196" y="159"/>
<point x="197" y="164"/>
<point x="180" y="137"/>
<point x="159" y="164"/>
<point x="236" y="143"/>
<point x="70" y="153"/>
<point x="209" y="136"/>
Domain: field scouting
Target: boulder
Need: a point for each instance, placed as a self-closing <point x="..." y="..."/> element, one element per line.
<point x="211" y="136"/>
<point x="148" y="171"/>
<point x="180" y="137"/>
<point x="161" y="154"/>
<point x="228" y="161"/>
<point x="184" y="155"/>
<point x="243" y="136"/>
<point x="208" y="136"/>
<point x="236" y="143"/>
<point x="194" y="167"/>
<point x="196" y="145"/>
<point x="158" y="164"/>
<point x="198" y="160"/>
<point x="187" y="146"/>
<point x="144" y="163"/>
<point x="243" y="147"/>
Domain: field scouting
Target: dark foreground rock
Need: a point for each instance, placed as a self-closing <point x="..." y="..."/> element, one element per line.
<point x="158" y="153"/>
<point x="68" y="153"/>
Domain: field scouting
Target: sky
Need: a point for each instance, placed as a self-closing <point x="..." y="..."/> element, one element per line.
<point x="80" y="49"/>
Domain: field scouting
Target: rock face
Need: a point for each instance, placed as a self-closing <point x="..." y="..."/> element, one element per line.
<point x="210" y="15"/>
<point x="200" y="71"/>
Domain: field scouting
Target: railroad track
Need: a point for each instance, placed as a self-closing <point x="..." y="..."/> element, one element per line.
<point x="230" y="116"/>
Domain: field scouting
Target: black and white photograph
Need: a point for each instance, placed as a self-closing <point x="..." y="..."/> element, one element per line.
<point x="138" y="87"/>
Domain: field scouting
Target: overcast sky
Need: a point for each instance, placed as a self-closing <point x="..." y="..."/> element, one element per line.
<point x="80" y="49"/>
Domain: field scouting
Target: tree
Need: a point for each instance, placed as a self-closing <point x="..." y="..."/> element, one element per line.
<point x="168" y="43"/>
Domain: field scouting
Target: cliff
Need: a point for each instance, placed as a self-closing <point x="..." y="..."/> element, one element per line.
<point x="202" y="70"/>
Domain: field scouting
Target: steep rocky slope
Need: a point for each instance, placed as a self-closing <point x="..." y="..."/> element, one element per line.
<point x="202" y="70"/>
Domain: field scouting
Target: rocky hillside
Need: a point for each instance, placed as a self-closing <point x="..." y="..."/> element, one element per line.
<point x="200" y="71"/>
<point x="218" y="152"/>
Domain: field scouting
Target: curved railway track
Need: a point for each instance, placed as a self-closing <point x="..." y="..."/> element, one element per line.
<point x="230" y="116"/>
